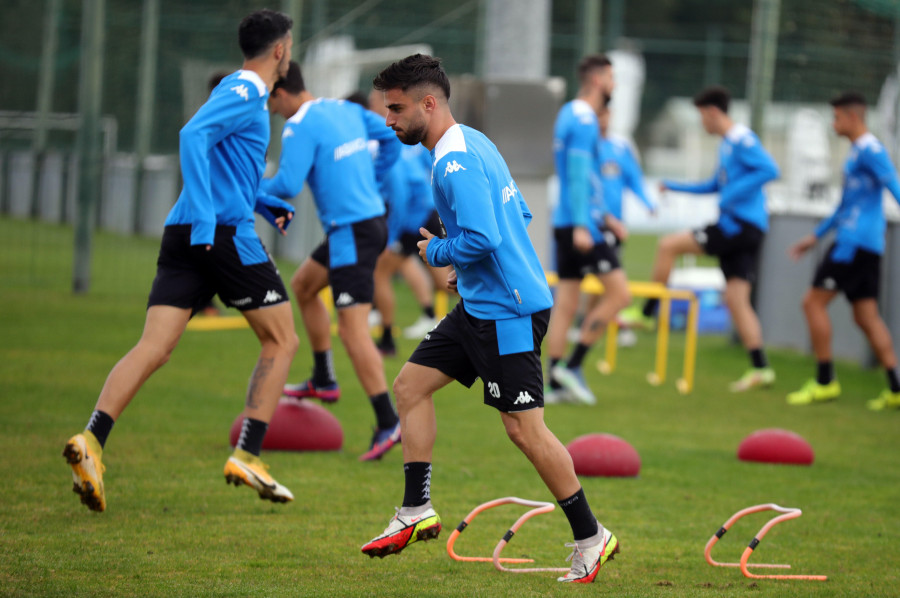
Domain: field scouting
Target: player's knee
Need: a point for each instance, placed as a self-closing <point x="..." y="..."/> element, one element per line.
<point x="404" y="393"/>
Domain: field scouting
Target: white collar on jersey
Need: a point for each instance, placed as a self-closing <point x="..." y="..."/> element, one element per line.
<point x="254" y="78"/>
<point x="736" y="132"/>
<point x="451" y="141"/>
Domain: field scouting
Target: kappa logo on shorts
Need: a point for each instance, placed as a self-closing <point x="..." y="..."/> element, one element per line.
<point x="700" y="237"/>
<point x="344" y="299"/>
<point x="272" y="297"/>
<point x="604" y="266"/>
<point x="523" y="398"/>
<point x="829" y="284"/>
<point x="453" y="167"/>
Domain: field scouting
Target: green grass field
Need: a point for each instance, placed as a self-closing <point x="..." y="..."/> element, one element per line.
<point x="173" y="527"/>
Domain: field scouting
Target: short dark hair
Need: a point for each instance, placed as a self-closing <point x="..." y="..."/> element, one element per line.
<point x="260" y="29"/>
<point x="215" y="79"/>
<point x="716" y="96"/>
<point x="847" y="99"/>
<point x="358" y="97"/>
<point x="590" y="63"/>
<point x="413" y="71"/>
<point x="292" y="82"/>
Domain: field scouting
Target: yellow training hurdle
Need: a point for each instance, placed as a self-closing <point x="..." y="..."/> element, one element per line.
<point x="651" y="290"/>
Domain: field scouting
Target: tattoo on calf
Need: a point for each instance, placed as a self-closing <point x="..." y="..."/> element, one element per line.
<point x="260" y="372"/>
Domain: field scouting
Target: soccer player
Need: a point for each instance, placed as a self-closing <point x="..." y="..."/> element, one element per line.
<point x="619" y="169"/>
<point x="209" y="246"/>
<point x="744" y="168"/>
<point x="494" y="332"/>
<point x="853" y="262"/>
<point x="581" y="245"/>
<point x="407" y="193"/>
<point x="325" y="144"/>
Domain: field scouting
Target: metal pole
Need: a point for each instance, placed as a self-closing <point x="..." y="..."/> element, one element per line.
<point x="46" y="82"/>
<point x="90" y="166"/>
<point x="143" y="135"/>
<point x="614" y="22"/>
<point x="294" y="9"/>
<point x="763" y="52"/>
<point x="590" y="27"/>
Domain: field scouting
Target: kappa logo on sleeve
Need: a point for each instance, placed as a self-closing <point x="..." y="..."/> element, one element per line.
<point x="453" y="167"/>
<point x="241" y="90"/>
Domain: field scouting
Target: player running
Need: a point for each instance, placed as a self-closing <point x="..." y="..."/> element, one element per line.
<point x="582" y="246"/>
<point x="325" y="144"/>
<point x="744" y="168"/>
<point x="853" y="262"/>
<point x="494" y="332"/>
<point x="210" y="246"/>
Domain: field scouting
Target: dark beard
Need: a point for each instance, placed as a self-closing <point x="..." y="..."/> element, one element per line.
<point x="412" y="136"/>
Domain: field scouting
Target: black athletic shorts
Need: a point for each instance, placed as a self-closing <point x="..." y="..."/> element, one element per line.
<point x="465" y="348"/>
<point x="738" y="254"/>
<point x="573" y="264"/>
<point x="859" y="278"/>
<point x="237" y="267"/>
<point x="350" y="252"/>
<point x="408" y="243"/>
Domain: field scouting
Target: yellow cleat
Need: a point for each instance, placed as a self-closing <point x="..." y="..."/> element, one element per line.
<point x="245" y="468"/>
<point x="83" y="454"/>
<point x="886" y="400"/>
<point x="753" y="378"/>
<point x="633" y="317"/>
<point x="813" y="392"/>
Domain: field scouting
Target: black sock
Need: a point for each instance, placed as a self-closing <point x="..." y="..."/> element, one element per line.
<point x="758" y="358"/>
<point x="100" y="425"/>
<point x="418" y="483"/>
<point x="650" y="306"/>
<point x="584" y="524"/>
<point x="553" y="383"/>
<point x="252" y="433"/>
<point x="385" y="416"/>
<point x="323" y="368"/>
<point x="824" y="372"/>
<point x="893" y="379"/>
<point x="577" y="357"/>
<point x="428" y="310"/>
<point x="387" y="333"/>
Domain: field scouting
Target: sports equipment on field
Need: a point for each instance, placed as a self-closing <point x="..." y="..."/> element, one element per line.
<point x="774" y="445"/>
<point x="245" y="468"/>
<point x="753" y="378"/>
<point x="298" y="426"/>
<point x="786" y="513"/>
<point x="604" y="455"/>
<point x="402" y="531"/>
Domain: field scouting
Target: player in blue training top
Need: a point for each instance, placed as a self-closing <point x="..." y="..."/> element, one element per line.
<point x="210" y="246"/>
<point x="494" y="332"/>
<point x="853" y="262"/>
<point x="414" y="210"/>
<point x="618" y="169"/>
<point x="744" y="168"/>
<point x="582" y="246"/>
<point x="325" y="144"/>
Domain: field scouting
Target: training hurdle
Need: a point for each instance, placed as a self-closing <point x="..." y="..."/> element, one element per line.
<point x="651" y="290"/>
<point x="538" y="508"/>
<point x="785" y="514"/>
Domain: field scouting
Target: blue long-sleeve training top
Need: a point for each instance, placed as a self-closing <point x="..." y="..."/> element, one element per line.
<point x="325" y="144"/>
<point x="859" y="218"/>
<point x="744" y="167"/>
<point x="223" y="155"/>
<point x="499" y="275"/>
<point x="576" y="136"/>
<point x="618" y="170"/>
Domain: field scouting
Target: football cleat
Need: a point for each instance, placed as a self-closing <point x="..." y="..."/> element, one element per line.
<point x="328" y="393"/>
<point x="83" y="454"/>
<point x="633" y="317"/>
<point x="886" y="400"/>
<point x="386" y="347"/>
<point x="573" y="381"/>
<point x="420" y="327"/>
<point x="586" y="562"/>
<point x="753" y="378"/>
<point x="245" y="468"/>
<point x="382" y="441"/>
<point x="813" y="392"/>
<point x="402" y="531"/>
